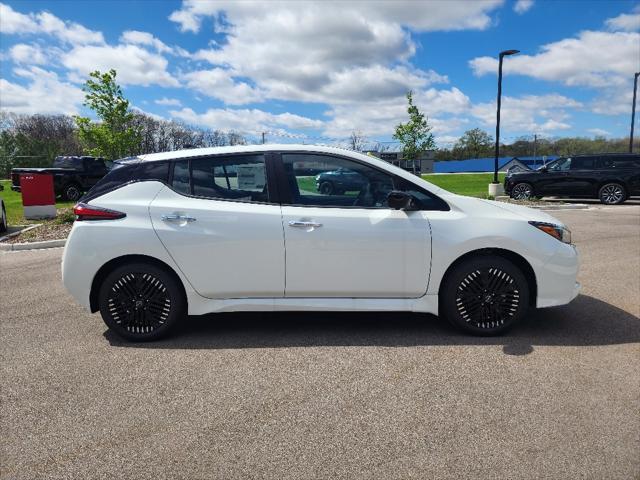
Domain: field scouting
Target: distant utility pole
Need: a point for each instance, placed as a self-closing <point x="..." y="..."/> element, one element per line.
<point x="633" y="110"/>
<point x="263" y="134"/>
<point x="535" y="148"/>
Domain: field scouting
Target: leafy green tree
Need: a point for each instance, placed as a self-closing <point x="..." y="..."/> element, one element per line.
<point x="415" y="135"/>
<point x="474" y="143"/>
<point x="114" y="135"/>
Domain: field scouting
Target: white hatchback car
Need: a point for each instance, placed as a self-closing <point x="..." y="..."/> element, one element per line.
<point x="300" y="227"/>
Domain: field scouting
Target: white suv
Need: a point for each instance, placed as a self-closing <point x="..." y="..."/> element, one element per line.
<point x="256" y="228"/>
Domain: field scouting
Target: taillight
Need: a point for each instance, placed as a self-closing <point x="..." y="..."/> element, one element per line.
<point x="89" y="212"/>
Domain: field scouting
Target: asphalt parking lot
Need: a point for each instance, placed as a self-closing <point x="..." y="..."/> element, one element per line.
<point x="328" y="395"/>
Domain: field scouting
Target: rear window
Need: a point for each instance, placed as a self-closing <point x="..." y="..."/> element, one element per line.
<point x="122" y="175"/>
<point x="583" y="163"/>
<point x="68" y="162"/>
<point x="619" y="162"/>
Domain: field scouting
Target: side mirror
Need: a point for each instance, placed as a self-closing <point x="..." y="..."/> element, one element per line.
<point x="400" y="200"/>
<point x="544" y="168"/>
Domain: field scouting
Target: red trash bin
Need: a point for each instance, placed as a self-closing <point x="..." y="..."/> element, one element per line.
<point x="38" y="197"/>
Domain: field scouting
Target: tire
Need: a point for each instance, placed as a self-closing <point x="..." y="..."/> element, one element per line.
<point x="484" y="295"/>
<point x="3" y="219"/>
<point x="522" y="191"/>
<point x="141" y="302"/>
<point x="326" y="188"/>
<point x="612" y="194"/>
<point x="72" y="192"/>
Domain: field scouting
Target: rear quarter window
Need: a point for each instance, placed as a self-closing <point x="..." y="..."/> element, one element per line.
<point x="125" y="174"/>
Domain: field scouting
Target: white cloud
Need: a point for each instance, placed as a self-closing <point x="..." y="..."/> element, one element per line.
<point x="440" y="14"/>
<point x="28" y="54"/>
<point x="44" y="93"/>
<point x="169" y="102"/>
<point x="13" y="22"/>
<point x="593" y="59"/>
<point x="529" y="113"/>
<point x="599" y="132"/>
<point x="137" y="37"/>
<point x="627" y="21"/>
<point x="252" y="121"/>
<point x="219" y="83"/>
<point x="135" y="65"/>
<point x="522" y="6"/>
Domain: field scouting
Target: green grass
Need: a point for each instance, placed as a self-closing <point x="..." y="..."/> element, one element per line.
<point x="13" y="204"/>
<point x="470" y="184"/>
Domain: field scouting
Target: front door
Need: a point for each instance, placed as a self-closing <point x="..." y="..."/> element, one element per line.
<point x="555" y="180"/>
<point x="217" y="223"/>
<point x="349" y="243"/>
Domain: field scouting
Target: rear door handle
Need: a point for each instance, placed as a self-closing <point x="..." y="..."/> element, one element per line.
<point x="297" y="224"/>
<point x="177" y="218"/>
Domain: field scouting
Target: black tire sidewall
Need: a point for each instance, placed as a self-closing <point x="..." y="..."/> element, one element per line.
<point x="454" y="278"/>
<point x="624" y="193"/>
<point x="178" y="302"/>
<point x="3" y="220"/>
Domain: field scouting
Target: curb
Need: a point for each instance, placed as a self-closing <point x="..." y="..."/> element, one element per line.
<point x="571" y="206"/>
<point x="9" y="247"/>
<point x="18" y="232"/>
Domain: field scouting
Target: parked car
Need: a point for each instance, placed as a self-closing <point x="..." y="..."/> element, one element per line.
<point x="339" y="181"/>
<point x="72" y="176"/>
<point x="610" y="177"/>
<point x="172" y="233"/>
<point x="3" y="213"/>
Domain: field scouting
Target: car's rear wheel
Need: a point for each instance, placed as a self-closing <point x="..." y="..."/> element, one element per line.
<point x="72" y="192"/>
<point x="484" y="295"/>
<point x="612" y="194"/>
<point x="326" y="188"/>
<point x="141" y="302"/>
<point x="3" y="219"/>
<point x="522" y="191"/>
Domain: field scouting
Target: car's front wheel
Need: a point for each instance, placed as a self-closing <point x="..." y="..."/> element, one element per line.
<point x="141" y="302"/>
<point x="522" y="191"/>
<point x="612" y="194"/>
<point x="326" y="188"/>
<point x="484" y="295"/>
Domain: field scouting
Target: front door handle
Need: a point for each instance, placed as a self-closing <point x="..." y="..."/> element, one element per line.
<point x="296" y="224"/>
<point x="177" y="218"/>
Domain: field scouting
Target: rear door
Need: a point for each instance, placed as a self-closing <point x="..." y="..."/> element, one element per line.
<point x="350" y="243"/>
<point x="217" y="221"/>
<point x="583" y="177"/>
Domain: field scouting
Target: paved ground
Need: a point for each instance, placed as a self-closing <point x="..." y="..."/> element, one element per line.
<point x="328" y="395"/>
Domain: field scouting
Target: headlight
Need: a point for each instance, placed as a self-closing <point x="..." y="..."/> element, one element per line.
<point x="556" y="231"/>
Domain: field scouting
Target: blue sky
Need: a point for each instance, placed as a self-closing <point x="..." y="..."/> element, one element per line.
<point x="316" y="71"/>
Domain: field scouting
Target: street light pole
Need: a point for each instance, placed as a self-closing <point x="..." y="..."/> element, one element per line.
<point x="633" y="110"/>
<point x="495" y="163"/>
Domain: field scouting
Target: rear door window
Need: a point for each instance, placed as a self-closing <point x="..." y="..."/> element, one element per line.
<point x="180" y="181"/>
<point x="583" y="163"/>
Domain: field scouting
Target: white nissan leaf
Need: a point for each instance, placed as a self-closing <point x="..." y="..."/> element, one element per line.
<point x="300" y="227"/>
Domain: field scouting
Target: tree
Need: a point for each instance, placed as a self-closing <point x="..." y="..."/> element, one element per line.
<point x="474" y="143"/>
<point x="115" y="135"/>
<point x="415" y="135"/>
<point x="357" y="141"/>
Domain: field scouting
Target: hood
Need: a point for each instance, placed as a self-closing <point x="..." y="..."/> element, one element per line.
<point x="491" y="208"/>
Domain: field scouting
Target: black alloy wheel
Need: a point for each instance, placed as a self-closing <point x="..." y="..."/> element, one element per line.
<point x="612" y="194"/>
<point x="141" y="302"/>
<point x="485" y="295"/>
<point x="326" y="188"/>
<point x="522" y="191"/>
<point x="72" y="193"/>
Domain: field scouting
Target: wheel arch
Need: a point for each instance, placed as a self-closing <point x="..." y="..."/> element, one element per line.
<point x="613" y="180"/>
<point x="517" y="259"/>
<point x="114" y="263"/>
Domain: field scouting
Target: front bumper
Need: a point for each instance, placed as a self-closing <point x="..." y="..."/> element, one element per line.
<point x="557" y="280"/>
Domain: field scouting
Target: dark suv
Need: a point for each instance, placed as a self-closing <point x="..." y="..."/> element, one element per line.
<point x="611" y="177"/>
<point x="339" y="181"/>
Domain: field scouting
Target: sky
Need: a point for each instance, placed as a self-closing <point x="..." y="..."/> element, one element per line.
<point x="314" y="72"/>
